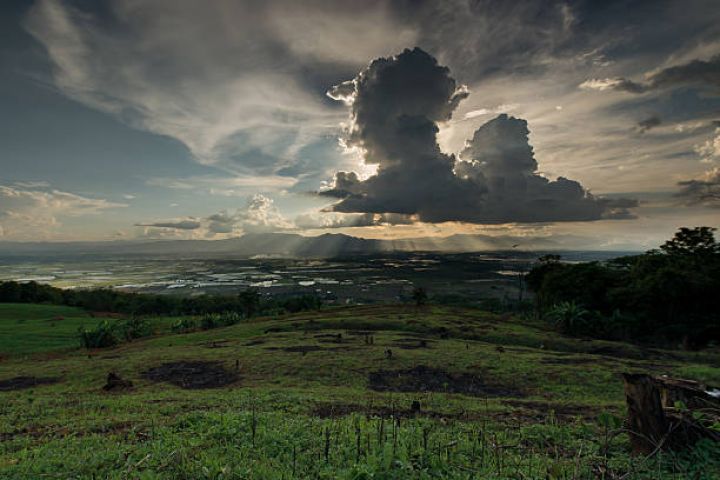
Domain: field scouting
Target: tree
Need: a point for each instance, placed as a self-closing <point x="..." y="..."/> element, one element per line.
<point x="420" y="296"/>
<point x="249" y="300"/>
<point x="692" y="241"/>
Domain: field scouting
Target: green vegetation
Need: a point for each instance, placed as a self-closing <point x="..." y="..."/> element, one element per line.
<point x="28" y="328"/>
<point x="667" y="296"/>
<point x="248" y="301"/>
<point x="465" y="394"/>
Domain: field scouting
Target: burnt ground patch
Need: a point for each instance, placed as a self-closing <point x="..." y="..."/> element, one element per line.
<point x="359" y="333"/>
<point x="336" y="410"/>
<point x="412" y="343"/>
<point x="565" y="411"/>
<point x="192" y="374"/>
<point x="332" y="338"/>
<point x="308" y="348"/>
<point x="21" y="383"/>
<point x="216" y="344"/>
<point x="569" y="361"/>
<point x="428" y="379"/>
<point x="526" y="411"/>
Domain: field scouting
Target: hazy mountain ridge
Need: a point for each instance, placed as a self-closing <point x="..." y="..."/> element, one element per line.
<point x="294" y="245"/>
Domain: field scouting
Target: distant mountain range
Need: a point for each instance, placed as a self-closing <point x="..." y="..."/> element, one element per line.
<point x="294" y="245"/>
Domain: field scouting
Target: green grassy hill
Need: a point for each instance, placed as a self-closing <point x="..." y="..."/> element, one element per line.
<point x="27" y="328"/>
<point x="461" y="394"/>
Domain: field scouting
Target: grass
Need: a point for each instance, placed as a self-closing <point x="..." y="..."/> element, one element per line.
<point x="315" y="415"/>
<point x="27" y="328"/>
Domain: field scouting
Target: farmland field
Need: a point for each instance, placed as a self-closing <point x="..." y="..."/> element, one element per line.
<point x="354" y="392"/>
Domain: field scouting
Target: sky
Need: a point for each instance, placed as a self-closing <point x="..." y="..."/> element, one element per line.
<point x="135" y="119"/>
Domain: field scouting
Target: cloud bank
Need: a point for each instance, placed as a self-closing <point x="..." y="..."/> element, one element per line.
<point x="33" y="210"/>
<point x="396" y="105"/>
<point x="260" y="215"/>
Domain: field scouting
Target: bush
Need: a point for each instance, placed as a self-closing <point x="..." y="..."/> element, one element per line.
<point x="215" y="320"/>
<point x="135" y="327"/>
<point x="301" y="303"/>
<point x="184" y="325"/>
<point x="102" y="336"/>
<point x="569" y="317"/>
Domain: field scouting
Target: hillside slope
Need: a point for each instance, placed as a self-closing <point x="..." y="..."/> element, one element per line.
<point x="389" y="391"/>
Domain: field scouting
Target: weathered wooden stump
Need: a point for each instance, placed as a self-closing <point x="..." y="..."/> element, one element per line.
<point x="653" y="420"/>
<point x="646" y="419"/>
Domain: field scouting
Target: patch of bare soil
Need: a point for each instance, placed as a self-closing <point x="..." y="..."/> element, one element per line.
<point x="304" y="349"/>
<point x="336" y="338"/>
<point x="542" y="409"/>
<point x="412" y="343"/>
<point x="568" y="361"/>
<point x="335" y="410"/>
<point x="359" y="333"/>
<point x="116" y="383"/>
<point x="21" y="383"/>
<point x="618" y="351"/>
<point x="428" y="379"/>
<point x="216" y="344"/>
<point x="192" y="374"/>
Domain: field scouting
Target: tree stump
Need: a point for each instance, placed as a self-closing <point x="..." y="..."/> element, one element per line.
<point x="646" y="419"/>
<point x="654" y="422"/>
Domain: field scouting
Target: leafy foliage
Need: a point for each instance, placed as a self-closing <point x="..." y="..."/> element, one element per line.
<point x="215" y="320"/>
<point x="665" y="295"/>
<point x="102" y="336"/>
<point x="249" y="302"/>
<point x="420" y="296"/>
<point x="135" y="327"/>
<point x="184" y="325"/>
<point x="569" y="317"/>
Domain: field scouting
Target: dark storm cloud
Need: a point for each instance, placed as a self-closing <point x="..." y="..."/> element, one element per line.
<point x="177" y="225"/>
<point x="704" y="191"/>
<point x="648" y="123"/>
<point x="702" y="73"/>
<point x="396" y="104"/>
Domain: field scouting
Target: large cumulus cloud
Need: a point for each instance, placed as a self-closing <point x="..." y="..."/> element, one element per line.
<point x="396" y="105"/>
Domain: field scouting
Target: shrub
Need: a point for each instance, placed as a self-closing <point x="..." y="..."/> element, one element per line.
<point x="215" y="320"/>
<point x="569" y="317"/>
<point x="185" y="324"/>
<point x="302" y="303"/>
<point x="135" y="327"/>
<point x="102" y="336"/>
<point x="230" y="318"/>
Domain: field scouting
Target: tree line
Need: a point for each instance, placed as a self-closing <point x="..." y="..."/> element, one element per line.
<point x="248" y="302"/>
<point x="670" y="295"/>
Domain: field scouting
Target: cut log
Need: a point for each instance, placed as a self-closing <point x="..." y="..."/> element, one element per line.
<point x="646" y="419"/>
